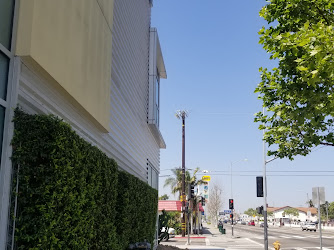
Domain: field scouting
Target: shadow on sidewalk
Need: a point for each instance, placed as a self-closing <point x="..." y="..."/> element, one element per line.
<point x="206" y="230"/>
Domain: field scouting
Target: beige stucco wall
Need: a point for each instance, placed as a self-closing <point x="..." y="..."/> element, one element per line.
<point x="71" y="41"/>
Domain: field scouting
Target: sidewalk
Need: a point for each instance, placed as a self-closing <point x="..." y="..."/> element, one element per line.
<point x="200" y="242"/>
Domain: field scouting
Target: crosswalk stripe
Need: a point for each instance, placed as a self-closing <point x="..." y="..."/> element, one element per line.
<point x="295" y="236"/>
<point x="298" y="237"/>
<point x="285" y="236"/>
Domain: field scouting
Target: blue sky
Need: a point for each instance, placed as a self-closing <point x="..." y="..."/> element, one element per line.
<point x="212" y="57"/>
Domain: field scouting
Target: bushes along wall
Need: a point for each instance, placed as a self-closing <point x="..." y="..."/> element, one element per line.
<point x="71" y="195"/>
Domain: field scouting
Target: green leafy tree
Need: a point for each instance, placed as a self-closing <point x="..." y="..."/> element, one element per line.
<point x="164" y="197"/>
<point x="291" y="212"/>
<point x="175" y="221"/>
<point x="324" y="209"/>
<point x="298" y="93"/>
<point x="250" y="212"/>
<point x="331" y="211"/>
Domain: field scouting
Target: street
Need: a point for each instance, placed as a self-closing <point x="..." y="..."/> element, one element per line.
<point x="289" y="238"/>
<point x="251" y="237"/>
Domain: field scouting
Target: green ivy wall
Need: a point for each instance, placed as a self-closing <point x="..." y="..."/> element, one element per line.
<point x="71" y="195"/>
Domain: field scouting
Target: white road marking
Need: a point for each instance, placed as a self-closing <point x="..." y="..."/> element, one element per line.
<point x="257" y="243"/>
<point x="285" y="236"/>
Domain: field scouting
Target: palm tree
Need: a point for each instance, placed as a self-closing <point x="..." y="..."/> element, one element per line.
<point x="310" y="203"/>
<point x="175" y="182"/>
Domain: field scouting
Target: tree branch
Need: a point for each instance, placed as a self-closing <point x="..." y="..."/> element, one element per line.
<point x="327" y="144"/>
<point x="323" y="15"/>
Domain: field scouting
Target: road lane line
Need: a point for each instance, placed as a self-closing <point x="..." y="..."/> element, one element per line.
<point x="207" y="242"/>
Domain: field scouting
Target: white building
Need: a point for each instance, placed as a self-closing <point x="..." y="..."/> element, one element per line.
<point x="305" y="214"/>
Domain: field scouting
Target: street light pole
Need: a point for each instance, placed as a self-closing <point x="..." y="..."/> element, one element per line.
<point x="181" y="114"/>
<point x="233" y="202"/>
<point x="232" y="191"/>
<point x="265" y="226"/>
<point x="265" y="214"/>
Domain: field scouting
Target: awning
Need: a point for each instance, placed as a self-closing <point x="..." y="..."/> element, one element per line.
<point x="173" y="206"/>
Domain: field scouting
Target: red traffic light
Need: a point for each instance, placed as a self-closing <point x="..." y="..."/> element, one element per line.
<point x="231" y="204"/>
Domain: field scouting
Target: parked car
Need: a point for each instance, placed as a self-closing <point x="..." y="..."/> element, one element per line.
<point x="309" y="227"/>
<point x="243" y="223"/>
<point x="251" y="223"/>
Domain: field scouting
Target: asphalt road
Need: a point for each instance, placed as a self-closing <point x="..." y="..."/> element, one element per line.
<point x="289" y="238"/>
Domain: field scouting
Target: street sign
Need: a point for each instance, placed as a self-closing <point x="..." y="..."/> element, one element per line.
<point x="221" y="213"/>
<point x="206" y="178"/>
<point x="227" y="211"/>
<point x="321" y="195"/>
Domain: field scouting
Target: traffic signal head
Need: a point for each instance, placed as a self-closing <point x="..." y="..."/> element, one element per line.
<point x="259" y="186"/>
<point x="231" y="215"/>
<point x="231" y="204"/>
<point x="259" y="210"/>
<point x="191" y="191"/>
<point x="203" y="201"/>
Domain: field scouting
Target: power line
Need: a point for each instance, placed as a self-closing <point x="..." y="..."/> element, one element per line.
<point x="313" y="175"/>
<point x="272" y="171"/>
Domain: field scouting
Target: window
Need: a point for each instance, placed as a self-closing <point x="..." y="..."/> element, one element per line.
<point x="152" y="175"/>
<point x="2" y="121"/>
<point x="4" y="68"/>
<point x="157" y="100"/>
<point x="6" y="22"/>
<point x="156" y="72"/>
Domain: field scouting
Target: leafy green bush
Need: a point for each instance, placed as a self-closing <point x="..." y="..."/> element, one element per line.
<point x="71" y="195"/>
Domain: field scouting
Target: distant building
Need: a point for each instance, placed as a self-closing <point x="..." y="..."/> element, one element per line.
<point x="305" y="214"/>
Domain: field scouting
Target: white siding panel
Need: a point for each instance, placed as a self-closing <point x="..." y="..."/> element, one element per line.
<point x="130" y="141"/>
<point x="129" y="89"/>
<point x="37" y="95"/>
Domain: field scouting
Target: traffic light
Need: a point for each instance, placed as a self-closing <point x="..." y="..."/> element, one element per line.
<point x="203" y="201"/>
<point x="191" y="191"/>
<point x="231" y="216"/>
<point x="259" y="210"/>
<point x="259" y="186"/>
<point x="231" y="204"/>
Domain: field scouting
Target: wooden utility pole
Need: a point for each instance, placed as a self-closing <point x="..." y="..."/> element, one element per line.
<point x="182" y="115"/>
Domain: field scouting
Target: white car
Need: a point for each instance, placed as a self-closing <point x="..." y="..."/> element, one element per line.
<point x="309" y="227"/>
<point x="171" y="232"/>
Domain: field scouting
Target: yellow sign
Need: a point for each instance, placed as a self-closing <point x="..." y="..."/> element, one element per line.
<point x="206" y="178"/>
<point x="183" y="198"/>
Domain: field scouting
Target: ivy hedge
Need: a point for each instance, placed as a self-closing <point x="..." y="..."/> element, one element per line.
<point x="71" y="195"/>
